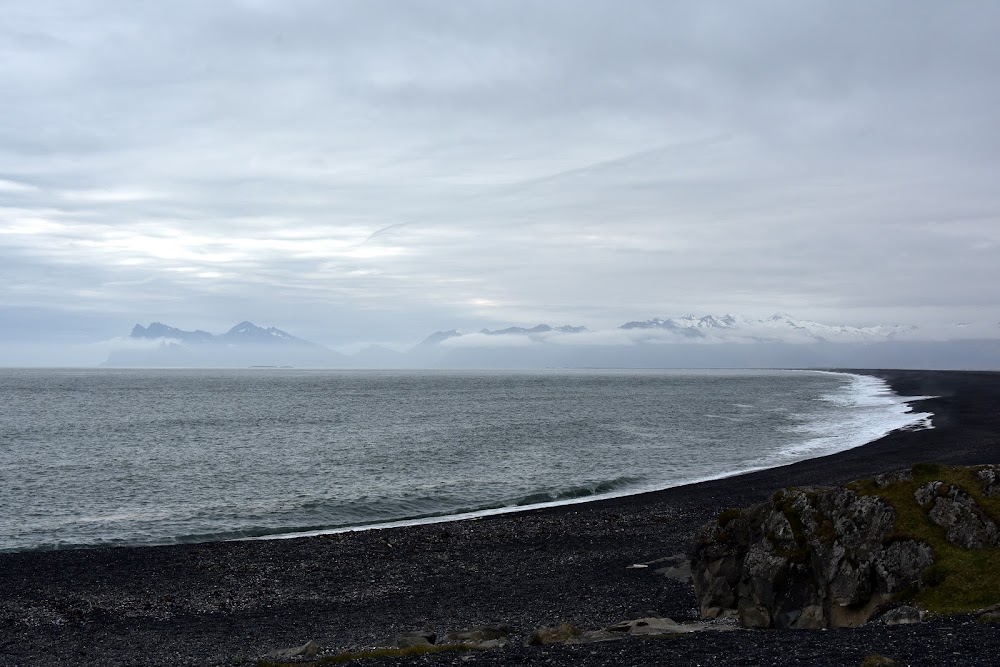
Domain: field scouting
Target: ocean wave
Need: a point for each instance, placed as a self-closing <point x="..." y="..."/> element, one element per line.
<point x="866" y="409"/>
<point x="418" y="514"/>
<point x="578" y="491"/>
<point x="538" y="453"/>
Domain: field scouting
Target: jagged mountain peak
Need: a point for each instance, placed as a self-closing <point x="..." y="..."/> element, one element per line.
<point x="161" y="330"/>
<point x="245" y="344"/>
<point x="248" y="330"/>
<point x="245" y="331"/>
<point x="244" y="327"/>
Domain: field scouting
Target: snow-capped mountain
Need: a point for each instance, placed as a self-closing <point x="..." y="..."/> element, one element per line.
<point x="707" y="341"/>
<point x="779" y="327"/>
<point x="690" y="341"/>
<point x="687" y="322"/>
<point x="249" y="332"/>
<point x="538" y="329"/>
<point x="536" y="332"/>
<point x="244" y="332"/>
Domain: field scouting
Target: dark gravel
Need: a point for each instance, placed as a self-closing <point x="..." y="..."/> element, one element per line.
<point x="230" y="602"/>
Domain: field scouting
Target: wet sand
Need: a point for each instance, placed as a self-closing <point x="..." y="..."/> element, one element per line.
<point x="231" y="602"/>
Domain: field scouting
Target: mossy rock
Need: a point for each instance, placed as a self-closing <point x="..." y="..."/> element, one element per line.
<point x="728" y="516"/>
<point x="960" y="580"/>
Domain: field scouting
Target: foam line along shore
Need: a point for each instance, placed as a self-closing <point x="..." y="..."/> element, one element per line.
<point x="225" y="602"/>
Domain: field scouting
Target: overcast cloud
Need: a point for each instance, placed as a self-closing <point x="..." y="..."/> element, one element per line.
<point x="373" y="171"/>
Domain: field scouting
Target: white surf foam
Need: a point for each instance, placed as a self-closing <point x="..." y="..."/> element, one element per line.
<point x="870" y="410"/>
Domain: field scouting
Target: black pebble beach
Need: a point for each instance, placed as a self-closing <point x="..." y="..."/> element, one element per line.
<point x="231" y="602"/>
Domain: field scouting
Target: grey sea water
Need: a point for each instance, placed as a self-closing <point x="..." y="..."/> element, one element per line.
<point x="128" y="457"/>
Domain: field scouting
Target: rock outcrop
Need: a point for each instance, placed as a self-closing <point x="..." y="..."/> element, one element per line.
<point x="307" y="651"/>
<point x="989" y="476"/>
<point x="965" y="523"/>
<point x="834" y="557"/>
<point x="809" y="558"/>
<point x="904" y="615"/>
<point x="558" y="634"/>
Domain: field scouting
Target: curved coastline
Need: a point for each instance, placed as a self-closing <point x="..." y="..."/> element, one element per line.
<point x="227" y="602"/>
<point x="912" y="421"/>
<point x="847" y="410"/>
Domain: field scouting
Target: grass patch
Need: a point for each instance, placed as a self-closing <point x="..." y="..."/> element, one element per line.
<point x="961" y="580"/>
<point x="342" y="658"/>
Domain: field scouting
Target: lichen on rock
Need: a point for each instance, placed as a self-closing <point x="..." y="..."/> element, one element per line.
<point x="808" y="558"/>
<point x="835" y="557"/>
<point x="965" y="523"/>
<point x="990" y="478"/>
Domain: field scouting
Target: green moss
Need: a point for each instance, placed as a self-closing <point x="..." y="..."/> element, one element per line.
<point x="927" y="469"/>
<point x="827" y="532"/>
<point x="961" y="580"/>
<point x="800" y="553"/>
<point x="728" y="516"/>
<point x="992" y="617"/>
<point x="876" y="660"/>
<point x="342" y="658"/>
<point x="936" y="575"/>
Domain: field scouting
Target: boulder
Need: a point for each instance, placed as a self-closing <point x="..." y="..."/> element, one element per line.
<point x="649" y="627"/>
<point x="558" y="634"/>
<point x="808" y="558"/>
<point x="481" y="637"/>
<point x="990" y="478"/>
<point x="676" y="567"/>
<point x="479" y="634"/>
<point x="904" y="615"/>
<point x="307" y="650"/>
<point x="965" y="523"/>
<point x="888" y="478"/>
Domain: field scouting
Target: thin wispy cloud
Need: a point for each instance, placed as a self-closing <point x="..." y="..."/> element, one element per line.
<point x="374" y="171"/>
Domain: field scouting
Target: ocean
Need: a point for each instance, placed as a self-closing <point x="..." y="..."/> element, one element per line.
<point x="101" y="457"/>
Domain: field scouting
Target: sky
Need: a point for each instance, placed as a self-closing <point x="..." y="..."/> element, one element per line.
<point x="374" y="171"/>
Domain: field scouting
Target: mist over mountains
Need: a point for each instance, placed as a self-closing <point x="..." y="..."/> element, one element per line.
<point x="709" y="341"/>
<point x="246" y="344"/>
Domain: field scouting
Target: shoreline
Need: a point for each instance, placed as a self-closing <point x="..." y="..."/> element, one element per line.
<point x="219" y="603"/>
<point x="920" y="418"/>
<point x="818" y="437"/>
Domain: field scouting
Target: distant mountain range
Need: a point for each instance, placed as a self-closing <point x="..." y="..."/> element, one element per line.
<point x="246" y="344"/>
<point x="776" y="328"/>
<point x="244" y="333"/>
<point x="707" y="341"/>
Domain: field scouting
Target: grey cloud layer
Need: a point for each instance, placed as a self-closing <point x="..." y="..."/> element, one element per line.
<point x="375" y="170"/>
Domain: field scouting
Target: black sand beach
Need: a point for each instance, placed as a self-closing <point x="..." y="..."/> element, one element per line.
<point x="231" y="602"/>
